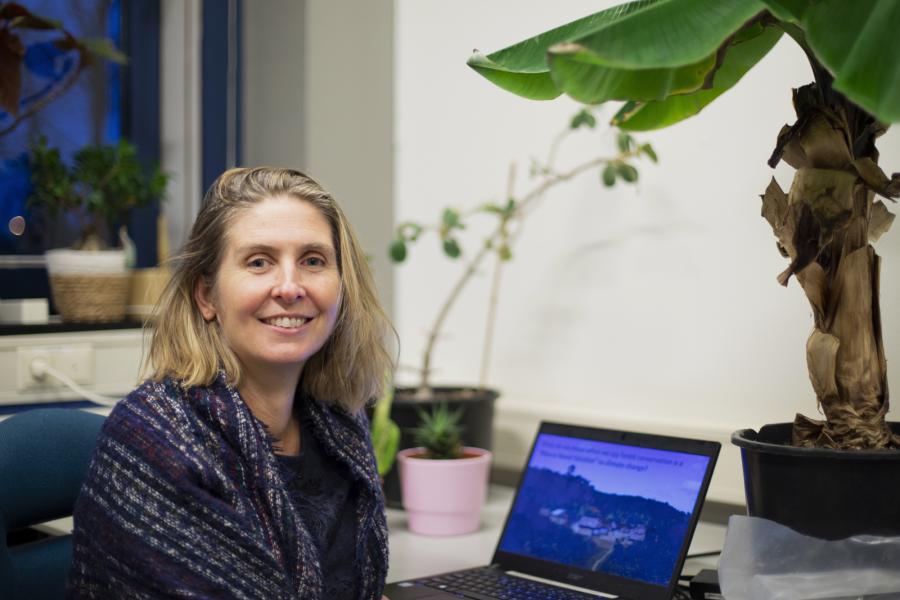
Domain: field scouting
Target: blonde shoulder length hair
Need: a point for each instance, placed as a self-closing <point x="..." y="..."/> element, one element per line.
<point x="348" y="371"/>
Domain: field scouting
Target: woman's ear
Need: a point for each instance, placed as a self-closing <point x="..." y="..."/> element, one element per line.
<point x="203" y="297"/>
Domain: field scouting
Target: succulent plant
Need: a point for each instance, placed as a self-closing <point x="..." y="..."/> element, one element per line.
<point x="439" y="432"/>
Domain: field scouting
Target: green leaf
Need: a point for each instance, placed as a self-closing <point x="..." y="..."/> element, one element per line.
<point x="791" y="11"/>
<point x="670" y="33"/>
<point x="609" y="176"/>
<point x="857" y="42"/>
<point x="624" y="141"/>
<point x="450" y="218"/>
<point x="584" y="117"/>
<point x="105" y="49"/>
<point x="409" y="231"/>
<point x="504" y="252"/>
<point x="451" y="248"/>
<point x="650" y="152"/>
<point x="385" y="432"/>
<point x="522" y="68"/>
<point x="577" y="73"/>
<point x="531" y="85"/>
<point x="510" y="207"/>
<point x="643" y="50"/>
<point x="386" y="448"/>
<point x="398" y="250"/>
<point x="20" y="17"/>
<point x="33" y="22"/>
<point x="627" y="172"/>
<point x="741" y="56"/>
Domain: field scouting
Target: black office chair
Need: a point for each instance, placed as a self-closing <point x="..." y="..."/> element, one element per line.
<point x="44" y="456"/>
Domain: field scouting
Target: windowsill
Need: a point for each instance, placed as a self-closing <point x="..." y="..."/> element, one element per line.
<point x="57" y="326"/>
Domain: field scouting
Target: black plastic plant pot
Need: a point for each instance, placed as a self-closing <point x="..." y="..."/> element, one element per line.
<point x="828" y="494"/>
<point x="477" y="405"/>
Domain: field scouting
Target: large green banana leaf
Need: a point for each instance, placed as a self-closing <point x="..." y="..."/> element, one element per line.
<point x="672" y="57"/>
<point x="742" y="54"/>
<point x="858" y="42"/>
<point x="686" y="35"/>
<point x="522" y="68"/>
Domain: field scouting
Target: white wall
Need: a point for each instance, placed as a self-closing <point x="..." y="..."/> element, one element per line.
<point x="317" y="96"/>
<point x="348" y="117"/>
<point x="652" y="307"/>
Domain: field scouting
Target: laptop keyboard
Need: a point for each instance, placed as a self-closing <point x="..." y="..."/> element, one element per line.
<point x="485" y="583"/>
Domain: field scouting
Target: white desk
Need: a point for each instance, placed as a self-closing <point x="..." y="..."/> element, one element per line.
<point x="414" y="555"/>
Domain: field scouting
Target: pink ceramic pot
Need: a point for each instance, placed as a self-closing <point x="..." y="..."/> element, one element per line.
<point x="444" y="497"/>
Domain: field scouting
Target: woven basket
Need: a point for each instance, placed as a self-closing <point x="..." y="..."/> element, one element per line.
<point x="90" y="298"/>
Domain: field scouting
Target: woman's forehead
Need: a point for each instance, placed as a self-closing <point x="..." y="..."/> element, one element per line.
<point x="279" y="220"/>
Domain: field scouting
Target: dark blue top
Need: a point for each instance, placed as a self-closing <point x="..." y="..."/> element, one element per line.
<point x="323" y="493"/>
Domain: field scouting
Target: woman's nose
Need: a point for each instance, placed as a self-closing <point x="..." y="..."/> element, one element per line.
<point x="289" y="287"/>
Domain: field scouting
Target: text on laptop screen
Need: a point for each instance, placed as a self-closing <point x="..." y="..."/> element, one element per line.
<point x="612" y="508"/>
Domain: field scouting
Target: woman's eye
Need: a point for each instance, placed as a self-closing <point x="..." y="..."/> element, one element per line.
<point x="314" y="261"/>
<point x="257" y="263"/>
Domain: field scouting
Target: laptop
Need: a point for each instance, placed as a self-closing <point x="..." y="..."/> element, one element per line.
<point x="608" y="512"/>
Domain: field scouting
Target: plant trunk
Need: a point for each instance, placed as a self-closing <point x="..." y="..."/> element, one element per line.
<point x="825" y="225"/>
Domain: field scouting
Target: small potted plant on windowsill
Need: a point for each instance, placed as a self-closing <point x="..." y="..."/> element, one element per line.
<point x="90" y="280"/>
<point x="444" y="483"/>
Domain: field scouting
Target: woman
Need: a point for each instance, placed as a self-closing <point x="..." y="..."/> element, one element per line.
<point x="243" y="467"/>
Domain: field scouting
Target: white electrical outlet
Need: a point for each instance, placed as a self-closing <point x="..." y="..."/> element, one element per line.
<point x="73" y="360"/>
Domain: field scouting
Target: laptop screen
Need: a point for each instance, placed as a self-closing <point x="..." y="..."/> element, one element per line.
<point x="624" y="509"/>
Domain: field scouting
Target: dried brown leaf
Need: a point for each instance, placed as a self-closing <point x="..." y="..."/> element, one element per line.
<point x="823" y="143"/>
<point x="791" y="153"/>
<point x="853" y="290"/>
<point x="821" y="359"/>
<point x="809" y="433"/>
<point x="875" y="178"/>
<point x="879" y="221"/>
<point x="11" y="54"/>
<point x="815" y="285"/>
<point x="827" y="192"/>
<point x="774" y="205"/>
<point x="805" y="239"/>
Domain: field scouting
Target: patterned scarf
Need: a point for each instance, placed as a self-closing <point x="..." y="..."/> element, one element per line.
<point x="184" y="498"/>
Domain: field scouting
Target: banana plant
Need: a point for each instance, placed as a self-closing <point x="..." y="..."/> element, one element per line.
<point x="667" y="59"/>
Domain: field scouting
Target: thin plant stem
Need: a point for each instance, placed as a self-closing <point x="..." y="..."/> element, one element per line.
<point x="433" y="333"/>
<point x="50" y="97"/>
<point x="472" y="267"/>
<point x="490" y="323"/>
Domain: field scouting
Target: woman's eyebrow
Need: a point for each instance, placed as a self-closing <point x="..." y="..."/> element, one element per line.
<point x="269" y="249"/>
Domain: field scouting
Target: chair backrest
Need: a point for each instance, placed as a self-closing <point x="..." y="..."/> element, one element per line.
<point x="44" y="456"/>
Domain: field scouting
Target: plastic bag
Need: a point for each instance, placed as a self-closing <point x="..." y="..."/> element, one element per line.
<point x="763" y="560"/>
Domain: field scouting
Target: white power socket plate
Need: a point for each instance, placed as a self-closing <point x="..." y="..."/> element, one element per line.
<point x="73" y="360"/>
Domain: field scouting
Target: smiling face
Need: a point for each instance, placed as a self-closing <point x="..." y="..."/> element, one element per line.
<point x="277" y="291"/>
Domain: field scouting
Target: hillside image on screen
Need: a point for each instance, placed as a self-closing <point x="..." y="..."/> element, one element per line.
<point x="611" y="508"/>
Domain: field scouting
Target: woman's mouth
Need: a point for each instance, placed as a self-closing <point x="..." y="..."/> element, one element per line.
<point x="286" y="322"/>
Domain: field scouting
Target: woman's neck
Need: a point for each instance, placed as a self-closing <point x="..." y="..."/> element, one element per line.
<point x="270" y="397"/>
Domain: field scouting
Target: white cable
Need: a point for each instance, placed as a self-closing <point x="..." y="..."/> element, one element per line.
<point x="40" y="368"/>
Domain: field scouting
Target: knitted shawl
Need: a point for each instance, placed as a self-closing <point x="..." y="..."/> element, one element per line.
<point x="184" y="498"/>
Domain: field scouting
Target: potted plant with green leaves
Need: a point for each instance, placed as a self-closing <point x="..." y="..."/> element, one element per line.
<point x="90" y="280"/>
<point x="502" y="221"/>
<point x="668" y="59"/>
<point x="444" y="482"/>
